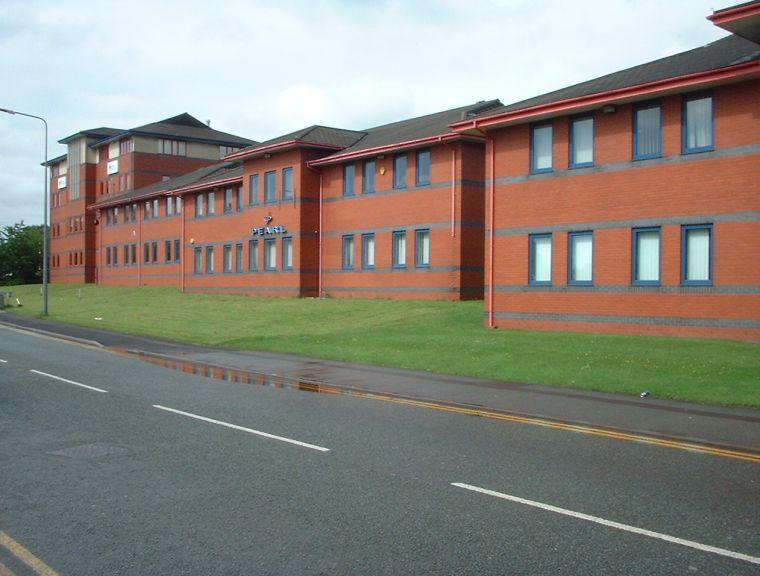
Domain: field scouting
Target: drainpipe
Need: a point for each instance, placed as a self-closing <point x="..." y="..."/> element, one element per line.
<point x="453" y="183"/>
<point x="139" y="246"/>
<point x="319" y="232"/>
<point x="181" y="246"/>
<point x="491" y="210"/>
<point x="99" y="259"/>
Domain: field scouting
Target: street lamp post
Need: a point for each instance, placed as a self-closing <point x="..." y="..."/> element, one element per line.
<point x="44" y="212"/>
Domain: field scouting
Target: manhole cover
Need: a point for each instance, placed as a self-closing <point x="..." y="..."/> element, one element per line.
<point x="85" y="451"/>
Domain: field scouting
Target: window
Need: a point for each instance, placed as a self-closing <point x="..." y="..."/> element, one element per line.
<point x="227" y="259"/>
<point x="647" y="132"/>
<point x="226" y="150"/>
<point x="108" y="255"/>
<point x="368" y="176"/>
<point x="109" y="216"/>
<point x="168" y="250"/>
<point x="253" y="255"/>
<point x="270" y="254"/>
<point x="115" y="256"/>
<point x="198" y="261"/>
<point x="270" y="186"/>
<point x="253" y="189"/>
<point x="178" y="205"/>
<point x="155" y="208"/>
<point x="422" y="248"/>
<point x="154" y="251"/>
<point x="287" y="253"/>
<point x="146" y="252"/>
<point x="399" y="171"/>
<point x="238" y="258"/>
<point x="172" y="147"/>
<point x="399" y="249"/>
<point x="134" y="212"/>
<point x="147" y="211"/>
<point x="646" y="256"/>
<point x="239" y="198"/>
<point x="423" y="168"/>
<point x="228" y="200"/>
<point x="133" y="253"/>
<point x="169" y="205"/>
<point x="580" y="259"/>
<point x="541" y="148"/>
<point x="209" y="259"/>
<point x="349" y="173"/>
<point x="697" y="124"/>
<point x="540" y="259"/>
<point x="368" y="251"/>
<point x="126" y="254"/>
<point x="696" y="255"/>
<point x="116" y="215"/>
<point x="211" y="205"/>
<point x="287" y="184"/>
<point x="126" y="146"/>
<point x="348" y="252"/>
<point x="177" y="252"/>
<point x="582" y="142"/>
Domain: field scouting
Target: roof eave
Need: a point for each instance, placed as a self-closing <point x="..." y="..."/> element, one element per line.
<point x="279" y="147"/>
<point x="627" y="94"/>
<point x="374" y="151"/>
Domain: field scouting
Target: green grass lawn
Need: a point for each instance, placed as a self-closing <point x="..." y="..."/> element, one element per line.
<point x="446" y="337"/>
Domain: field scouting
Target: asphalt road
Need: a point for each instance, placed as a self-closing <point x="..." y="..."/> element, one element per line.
<point x="126" y="477"/>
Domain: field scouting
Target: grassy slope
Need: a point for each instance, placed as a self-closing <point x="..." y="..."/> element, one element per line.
<point x="438" y="336"/>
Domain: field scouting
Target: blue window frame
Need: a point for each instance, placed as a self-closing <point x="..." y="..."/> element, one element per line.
<point x="227" y="258"/>
<point x="398" y="249"/>
<point x="422" y="248"/>
<point x="253" y="189"/>
<point x="399" y="171"/>
<point x="270" y="186"/>
<point x="580" y="258"/>
<point x="349" y="174"/>
<point x="209" y="259"/>
<point x="287" y="184"/>
<point x="541" y="148"/>
<point x="422" y="172"/>
<point x="368" y="251"/>
<point x="198" y="261"/>
<point x="645" y="258"/>
<point x="582" y="142"/>
<point x="698" y="132"/>
<point x="540" y="259"/>
<point x="287" y="253"/>
<point x="253" y="255"/>
<point x="270" y="254"/>
<point x="697" y="255"/>
<point x="348" y="252"/>
<point x="368" y="176"/>
<point x="647" y="131"/>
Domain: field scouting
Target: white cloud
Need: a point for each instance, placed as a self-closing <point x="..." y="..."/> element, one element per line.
<point x="261" y="69"/>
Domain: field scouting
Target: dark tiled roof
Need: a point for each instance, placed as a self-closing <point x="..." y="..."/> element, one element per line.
<point x="55" y="160"/>
<point x="183" y="127"/>
<point x="213" y="173"/>
<point x="316" y="135"/>
<point x="417" y="128"/>
<point x="725" y="52"/>
<point x="99" y="133"/>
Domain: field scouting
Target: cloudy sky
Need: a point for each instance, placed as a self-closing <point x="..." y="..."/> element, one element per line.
<point x="263" y="68"/>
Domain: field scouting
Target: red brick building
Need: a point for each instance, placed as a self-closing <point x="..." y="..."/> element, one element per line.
<point x="108" y="162"/>
<point x="628" y="203"/>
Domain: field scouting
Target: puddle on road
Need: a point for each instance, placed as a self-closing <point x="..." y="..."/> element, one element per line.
<point x="237" y="376"/>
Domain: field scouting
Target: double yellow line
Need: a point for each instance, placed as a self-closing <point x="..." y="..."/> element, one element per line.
<point x="605" y="433"/>
<point x="25" y="556"/>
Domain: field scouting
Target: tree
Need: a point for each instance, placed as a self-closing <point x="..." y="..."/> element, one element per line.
<point x="20" y="254"/>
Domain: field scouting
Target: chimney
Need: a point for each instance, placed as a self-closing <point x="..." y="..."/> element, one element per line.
<point x="208" y="123"/>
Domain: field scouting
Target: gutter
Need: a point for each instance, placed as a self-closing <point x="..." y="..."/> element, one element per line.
<point x="612" y="96"/>
<point x="491" y="210"/>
